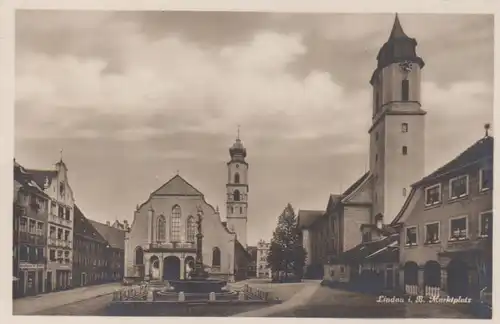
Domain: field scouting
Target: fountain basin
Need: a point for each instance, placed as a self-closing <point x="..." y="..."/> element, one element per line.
<point x="198" y="285"/>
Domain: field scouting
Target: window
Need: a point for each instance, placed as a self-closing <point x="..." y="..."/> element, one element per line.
<point x="53" y="208"/>
<point x="52" y="255"/>
<point x="405" y="90"/>
<point x="485" y="179"/>
<point x="59" y="233"/>
<point x="485" y="224"/>
<point x="459" y="187"/>
<point x="432" y="233"/>
<point x="433" y="195"/>
<point x="236" y="177"/>
<point x="175" y="225"/>
<point x="32" y="228"/>
<point x="404" y="150"/>
<point x="216" y="257"/>
<point x="66" y="235"/>
<point x="161" y="229"/>
<point x="232" y="210"/>
<point x="404" y="127"/>
<point x="236" y="195"/>
<point x="39" y="228"/>
<point x="342" y="269"/>
<point x="411" y="236"/>
<point x="190" y="229"/>
<point x="23" y="223"/>
<point x="68" y="213"/>
<point x="458" y="228"/>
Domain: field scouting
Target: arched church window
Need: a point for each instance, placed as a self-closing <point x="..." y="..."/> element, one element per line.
<point x="236" y="195"/>
<point x="236" y="177"/>
<point x="190" y="229"/>
<point x="175" y="224"/>
<point x="161" y="229"/>
<point x="404" y="127"/>
<point x="139" y="256"/>
<point x="216" y="257"/>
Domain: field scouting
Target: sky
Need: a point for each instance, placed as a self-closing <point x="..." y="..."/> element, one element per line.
<point x="133" y="97"/>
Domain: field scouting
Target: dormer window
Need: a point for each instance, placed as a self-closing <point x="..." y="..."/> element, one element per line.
<point x="485" y="179"/>
<point x="459" y="187"/>
<point x="433" y="195"/>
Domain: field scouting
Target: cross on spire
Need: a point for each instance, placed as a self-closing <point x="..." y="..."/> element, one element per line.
<point x="238" y="132"/>
<point x="487" y="127"/>
<point x="61" y="154"/>
<point x="177" y="171"/>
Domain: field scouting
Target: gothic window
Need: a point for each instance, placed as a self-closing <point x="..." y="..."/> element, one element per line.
<point x="139" y="256"/>
<point x="175" y="224"/>
<point x="236" y="177"/>
<point x="405" y="90"/>
<point x="236" y="195"/>
<point x="190" y="229"/>
<point x="405" y="150"/>
<point x="161" y="229"/>
<point x="216" y="257"/>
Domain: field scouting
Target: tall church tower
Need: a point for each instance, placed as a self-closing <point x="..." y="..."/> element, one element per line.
<point x="398" y="124"/>
<point x="237" y="191"/>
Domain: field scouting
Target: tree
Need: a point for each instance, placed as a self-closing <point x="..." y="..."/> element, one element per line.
<point x="286" y="252"/>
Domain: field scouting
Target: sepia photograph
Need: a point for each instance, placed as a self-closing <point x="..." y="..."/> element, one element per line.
<point x="253" y="164"/>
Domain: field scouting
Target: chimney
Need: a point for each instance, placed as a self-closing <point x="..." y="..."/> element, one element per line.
<point x="108" y="223"/>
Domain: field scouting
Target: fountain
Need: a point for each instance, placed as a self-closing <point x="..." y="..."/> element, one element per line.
<point x="198" y="281"/>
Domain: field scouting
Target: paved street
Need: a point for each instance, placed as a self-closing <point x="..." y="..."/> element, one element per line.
<point x="328" y="302"/>
<point x="37" y="304"/>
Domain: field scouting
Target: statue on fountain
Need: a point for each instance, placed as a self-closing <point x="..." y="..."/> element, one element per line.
<point x="199" y="270"/>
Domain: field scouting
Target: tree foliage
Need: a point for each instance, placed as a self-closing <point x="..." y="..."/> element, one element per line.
<point x="286" y="252"/>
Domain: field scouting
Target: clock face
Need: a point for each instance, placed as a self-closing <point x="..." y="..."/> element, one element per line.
<point x="406" y="66"/>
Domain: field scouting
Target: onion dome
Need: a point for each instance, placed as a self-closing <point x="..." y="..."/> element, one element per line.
<point x="238" y="151"/>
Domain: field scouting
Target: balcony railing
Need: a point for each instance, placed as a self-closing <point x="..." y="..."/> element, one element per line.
<point x="30" y="238"/>
<point x="59" y="220"/>
<point x="33" y="259"/>
<point x="65" y="244"/>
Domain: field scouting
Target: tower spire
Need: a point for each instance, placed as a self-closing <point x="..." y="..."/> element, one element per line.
<point x="397" y="29"/>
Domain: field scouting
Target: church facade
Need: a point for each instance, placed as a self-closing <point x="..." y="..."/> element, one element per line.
<point x="161" y="242"/>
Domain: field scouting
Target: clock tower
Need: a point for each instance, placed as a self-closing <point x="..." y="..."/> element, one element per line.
<point x="237" y="191"/>
<point x="398" y="124"/>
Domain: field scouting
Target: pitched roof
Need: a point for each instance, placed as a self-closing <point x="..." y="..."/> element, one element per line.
<point x="307" y="217"/>
<point x="477" y="152"/>
<point x="369" y="249"/>
<point x="177" y="186"/>
<point x="83" y="227"/>
<point x="114" y="236"/>
<point x="355" y="185"/>
<point x="26" y="180"/>
<point x="39" y="176"/>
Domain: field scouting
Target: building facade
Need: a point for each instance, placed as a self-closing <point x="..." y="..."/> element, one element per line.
<point x="446" y="242"/>
<point x="59" y="230"/>
<point x="30" y="238"/>
<point x="114" y="251"/>
<point x="263" y="270"/>
<point x="90" y="262"/>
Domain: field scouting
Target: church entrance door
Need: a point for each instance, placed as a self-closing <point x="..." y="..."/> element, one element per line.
<point x="171" y="268"/>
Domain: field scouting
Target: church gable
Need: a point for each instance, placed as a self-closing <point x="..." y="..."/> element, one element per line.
<point x="177" y="186"/>
<point x="362" y="194"/>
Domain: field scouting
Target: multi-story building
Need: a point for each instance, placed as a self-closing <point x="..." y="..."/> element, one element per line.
<point x="114" y="250"/>
<point x="59" y="230"/>
<point x="447" y="226"/>
<point x="30" y="239"/>
<point x="90" y="253"/>
<point x="263" y="270"/>
<point x="252" y="265"/>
